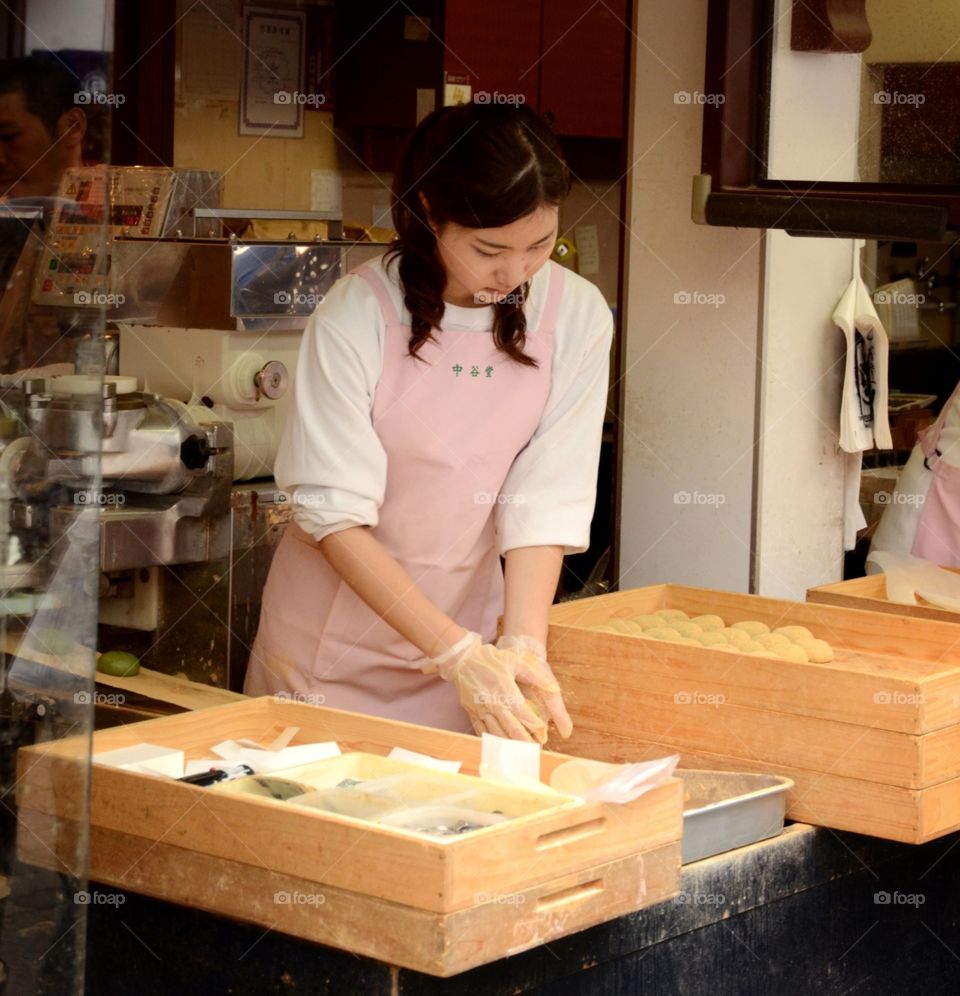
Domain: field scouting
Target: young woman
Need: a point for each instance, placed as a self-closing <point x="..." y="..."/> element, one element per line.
<point x="448" y="407"/>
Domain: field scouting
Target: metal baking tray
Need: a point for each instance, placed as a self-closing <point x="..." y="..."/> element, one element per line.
<point x="727" y="809"/>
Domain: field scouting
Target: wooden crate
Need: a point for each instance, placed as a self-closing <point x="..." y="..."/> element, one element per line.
<point x="432" y="905"/>
<point x="871" y="740"/>
<point x="870" y="593"/>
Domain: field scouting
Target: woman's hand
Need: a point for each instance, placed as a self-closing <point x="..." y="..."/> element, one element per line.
<point x="488" y="682"/>
<point x="546" y="696"/>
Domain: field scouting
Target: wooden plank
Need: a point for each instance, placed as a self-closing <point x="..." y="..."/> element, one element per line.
<point x="871" y="681"/>
<point x="692" y="719"/>
<point x="323" y="847"/>
<point x="821" y="798"/>
<point x="870" y="594"/>
<point x="148" y="683"/>
<point x="499" y="925"/>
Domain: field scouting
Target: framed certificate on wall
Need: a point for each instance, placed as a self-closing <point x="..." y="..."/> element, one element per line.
<point x="271" y="91"/>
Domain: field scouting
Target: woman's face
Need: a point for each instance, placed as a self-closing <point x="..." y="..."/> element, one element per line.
<point x="484" y="265"/>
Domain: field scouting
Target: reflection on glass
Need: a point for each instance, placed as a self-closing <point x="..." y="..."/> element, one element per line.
<point x="50" y="442"/>
<point x="910" y="94"/>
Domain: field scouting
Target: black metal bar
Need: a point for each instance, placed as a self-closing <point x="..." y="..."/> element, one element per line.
<point x="831" y="217"/>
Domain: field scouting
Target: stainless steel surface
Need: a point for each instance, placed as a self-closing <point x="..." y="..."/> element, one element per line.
<point x="265" y="214"/>
<point x="206" y="613"/>
<point x="723" y="810"/>
<point x="227" y="285"/>
<point x="270" y="279"/>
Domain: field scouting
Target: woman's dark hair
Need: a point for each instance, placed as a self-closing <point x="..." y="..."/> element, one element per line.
<point x="478" y="166"/>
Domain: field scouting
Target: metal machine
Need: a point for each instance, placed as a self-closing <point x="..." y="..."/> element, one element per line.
<point x="202" y="338"/>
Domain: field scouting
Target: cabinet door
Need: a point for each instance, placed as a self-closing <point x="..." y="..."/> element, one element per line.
<point x="582" y="71"/>
<point x="497" y="43"/>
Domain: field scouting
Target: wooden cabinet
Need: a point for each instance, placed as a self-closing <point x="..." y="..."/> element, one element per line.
<point x="568" y="62"/>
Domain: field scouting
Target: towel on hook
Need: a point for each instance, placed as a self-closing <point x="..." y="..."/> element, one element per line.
<point x="864" y="421"/>
<point x="863" y="411"/>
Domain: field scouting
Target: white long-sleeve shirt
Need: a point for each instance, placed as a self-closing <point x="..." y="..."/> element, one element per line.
<point x="331" y="460"/>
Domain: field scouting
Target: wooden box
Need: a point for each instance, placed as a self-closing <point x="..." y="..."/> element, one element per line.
<point x="871" y="740"/>
<point x="870" y="593"/>
<point x="434" y="905"/>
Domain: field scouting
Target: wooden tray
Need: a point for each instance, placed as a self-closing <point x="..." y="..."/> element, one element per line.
<point x="532" y="878"/>
<point x="872" y="740"/>
<point x="870" y="593"/>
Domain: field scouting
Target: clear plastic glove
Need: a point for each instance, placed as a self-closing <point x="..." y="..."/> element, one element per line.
<point x="546" y="696"/>
<point x="486" y="680"/>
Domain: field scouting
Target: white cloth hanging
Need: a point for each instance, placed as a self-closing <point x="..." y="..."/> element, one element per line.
<point x="864" y="422"/>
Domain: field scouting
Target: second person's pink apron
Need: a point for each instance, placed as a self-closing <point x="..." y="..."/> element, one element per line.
<point x="451" y="427"/>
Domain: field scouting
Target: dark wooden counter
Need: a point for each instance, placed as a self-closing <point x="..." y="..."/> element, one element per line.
<point x="802" y="913"/>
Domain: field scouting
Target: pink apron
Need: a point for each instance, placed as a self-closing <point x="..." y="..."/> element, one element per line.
<point x="938" y="530"/>
<point x="451" y="427"/>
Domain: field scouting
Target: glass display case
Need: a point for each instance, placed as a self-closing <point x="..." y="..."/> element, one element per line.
<point x="54" y="407"/>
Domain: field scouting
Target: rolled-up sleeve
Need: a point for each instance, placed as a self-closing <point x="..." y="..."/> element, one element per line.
<point x="550" y="491"/>
<point x="330" y="462"/>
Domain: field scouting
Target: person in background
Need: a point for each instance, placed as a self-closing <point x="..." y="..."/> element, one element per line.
<point x="41" y="127"/>
<point x="42" y="133"/>
<point x="448" y="408"/>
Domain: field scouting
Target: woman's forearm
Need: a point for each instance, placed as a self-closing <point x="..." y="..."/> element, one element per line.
<point x="379" y="580"/>
<point x="530" y="584"/>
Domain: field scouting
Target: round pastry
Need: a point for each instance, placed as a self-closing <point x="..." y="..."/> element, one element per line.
<point x="671" y="614"/>
<point x="794" y="632"/>
<point x="793" y="653"/>
<point x="712" y="638"/>
<point x="648" y="621"/>
<point x="687" y="628"/>
<point x="818" y="651"/>
<point x="752" y="626"/>
<point x="774" y="641"/>
<point x="662" y="633"/>
<point x="737" y="637"/>
<point x="709" y="622"/>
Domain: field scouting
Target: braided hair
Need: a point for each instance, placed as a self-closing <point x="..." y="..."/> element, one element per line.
<point x="477" y="166"/>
